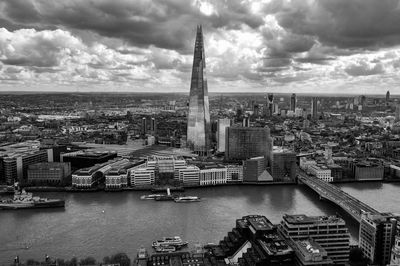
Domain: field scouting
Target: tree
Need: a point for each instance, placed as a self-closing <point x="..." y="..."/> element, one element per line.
<point x="120" y="258"/>
<point x="88" y="261"/>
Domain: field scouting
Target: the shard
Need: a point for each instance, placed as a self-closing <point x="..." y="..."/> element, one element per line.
<point x="199" y="128"/>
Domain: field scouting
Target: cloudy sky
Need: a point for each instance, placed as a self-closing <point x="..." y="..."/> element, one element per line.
<point x="335" y="46"/>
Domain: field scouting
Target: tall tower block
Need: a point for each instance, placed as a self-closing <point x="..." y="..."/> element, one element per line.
<point x="199" y="127"/>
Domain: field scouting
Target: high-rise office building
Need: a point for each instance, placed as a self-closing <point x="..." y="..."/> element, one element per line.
<point x="397" y="112"/>
<point x="293" y="102"/>
<point x="314" y="107"/>
<point x="270" y="104"/>
<point x="198" y="126"/>
<point x="246" y="142"/>
<point x="376" y="238"/>
<point x="328" y="231"/>
<point x="387" y="97"/>
<point x="223" y="123"/>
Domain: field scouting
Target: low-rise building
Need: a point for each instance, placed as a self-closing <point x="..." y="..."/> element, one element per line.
<point x="321" y="172"/>
<point x="53" y="173"/>
<point x="310" y="253"/>
<point x="234" y="173"/>
<point x="142" y="177"/>
<point x="213" y="176"/>
<point x="189" y="176"/>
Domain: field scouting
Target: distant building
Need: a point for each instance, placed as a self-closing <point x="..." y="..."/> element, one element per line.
<point x="142" y="177"/>
<point x="376" y="237"/>
<point x="387" y="97"/>
<point x="222" y="125"/>
<point x="293" y="102"/>
<point x="254" y="170"/>
<point x="242" y="143"/>
<point x="330" y="232"/>
<point x="395" y="257"/>
<point x="270" y="102"/>
<point x="397" y="112"/>
<point x="321" y="172"/>
<point x="16" y="158"/>
<point x="314" y="107"/>
<point x="119" y="175"/>
<point x="84" y="159"/>
<point x="53" y="173"/>
<point x="367" y="170"/>
<point x="166" y="164"/>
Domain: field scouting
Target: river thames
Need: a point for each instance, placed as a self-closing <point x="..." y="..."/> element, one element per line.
<point x="100" y="223"/>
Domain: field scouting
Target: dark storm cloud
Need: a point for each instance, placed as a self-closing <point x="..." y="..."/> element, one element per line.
<point x="366" y="24"/>
<point x="167" y="24"/>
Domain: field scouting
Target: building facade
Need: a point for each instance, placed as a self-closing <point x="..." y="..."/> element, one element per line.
<point x="213" y="176"/>
<point x="328" y="231"/>
<point x="222" y="125"/>
<point x="53" y="173"/>
<point x="199" y="126"/>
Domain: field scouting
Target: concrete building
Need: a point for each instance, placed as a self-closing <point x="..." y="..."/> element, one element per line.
<point x="246" y="142"/>
<point x="190" y="175"/>
<point x="320" y="171"/>
<point x="213" y="176"/>
<point x="16" y="158"/>
<point x="222" y="125"/>
<point x="199" y="126"/>
<point x="377" y="236"/>
<point x="234" y="173"/>
<point x="293" y="102"/>
<point x="119" y="175"/>
<point x="142" y="177"/>
<point x="84" y="159"/>
<point x="314" y="107"/>
<point x="330" y="232"/>
<point x="53" y="173"/>
<point x="367" y="170"/>
<point x="166" y="164"/>
<point x="310" y="253"/>
<point x="283" y="164"/>
<point x="395" y="256"/>
<point x="253" y="168"/>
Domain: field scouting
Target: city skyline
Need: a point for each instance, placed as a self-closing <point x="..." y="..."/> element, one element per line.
<point x="252" y="46"/>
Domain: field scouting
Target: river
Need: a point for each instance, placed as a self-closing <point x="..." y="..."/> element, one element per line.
<point x="99" y="223"/>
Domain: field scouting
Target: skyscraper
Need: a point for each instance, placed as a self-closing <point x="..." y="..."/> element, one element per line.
<point x="199" y="128"/>
<point x="293" y="101"/>
<point x="387" y="97"/>
<point x="314" y="107"/>
<point x="223" y="123"/>
<point x="270" y="104"/>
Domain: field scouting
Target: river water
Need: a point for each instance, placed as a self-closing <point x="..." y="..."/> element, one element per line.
<point x="99" y="223"/>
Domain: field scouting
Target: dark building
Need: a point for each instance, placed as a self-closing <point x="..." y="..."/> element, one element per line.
<point x="270" y="104"/>
<point x="253" y="168"/>
<point x="246" y="142"/>
<point x="387" y="97"/>
<point x="86" y="159"/>
<point x="376" y="238"/>
<point x="283" y="165"/>
<point x="198" y="127"/>
<point x="53" y="173"/>
<point x="314" y="107"/>
<point x="293" y="102"/>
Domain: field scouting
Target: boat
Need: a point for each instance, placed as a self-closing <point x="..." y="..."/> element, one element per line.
<point x="25" y="200"/>
<point x="175" y="241"/>
<point x="187" y="199"/>
<point x="151" y="196"/>
<point x="165" y="198"/>
<point x="165" y="249"/>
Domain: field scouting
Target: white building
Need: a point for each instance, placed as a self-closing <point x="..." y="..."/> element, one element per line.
<point x="222" y="125"/>
<point x="321" y="172"/>
<point x="142" y="177"/>
<point x="213" y="176"/>
<point x="189" y="176"/>
<point x="234" y="173"/>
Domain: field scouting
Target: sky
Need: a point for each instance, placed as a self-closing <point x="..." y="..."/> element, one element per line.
<point x="321" y="46"/>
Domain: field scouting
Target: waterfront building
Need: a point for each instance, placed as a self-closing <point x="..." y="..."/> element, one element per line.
<point x="142" y="176"/>
<point x="367" y="170"/>
<point x="330" y="232"/>
<point x="16" y="158"/>
<point x="310" y="253"/>
<point x="254" y="170"/>
<point x="53" y="173"/>
<point x="119" y="175"/>
<point x="283" y="164"/>
<point x="293" y="102"/>
<point x="198" y="125"/>
<point x="223" y="123"/>
<point x="320" y="171"/>
<point x="190" y="175"/>
<point x="376" y="237"/>
<point x="166" y="164"/>
<point x="314" y="107"/>
<point x="84" y="159"/>
<point x="213" y="176"/>
<point x="246" y="142"/>
<point x="234" y="173"/>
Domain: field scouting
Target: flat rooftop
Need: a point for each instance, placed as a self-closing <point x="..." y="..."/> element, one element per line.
<point x="304" y="219"/>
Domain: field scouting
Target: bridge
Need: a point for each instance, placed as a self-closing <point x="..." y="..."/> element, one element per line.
<point x="330" y="192"/>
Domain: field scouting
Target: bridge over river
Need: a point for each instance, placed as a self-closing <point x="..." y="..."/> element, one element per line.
<point x="330" y="192"/>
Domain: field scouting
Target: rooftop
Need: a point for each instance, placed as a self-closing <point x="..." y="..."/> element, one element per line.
<point x="304" y="219"/>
